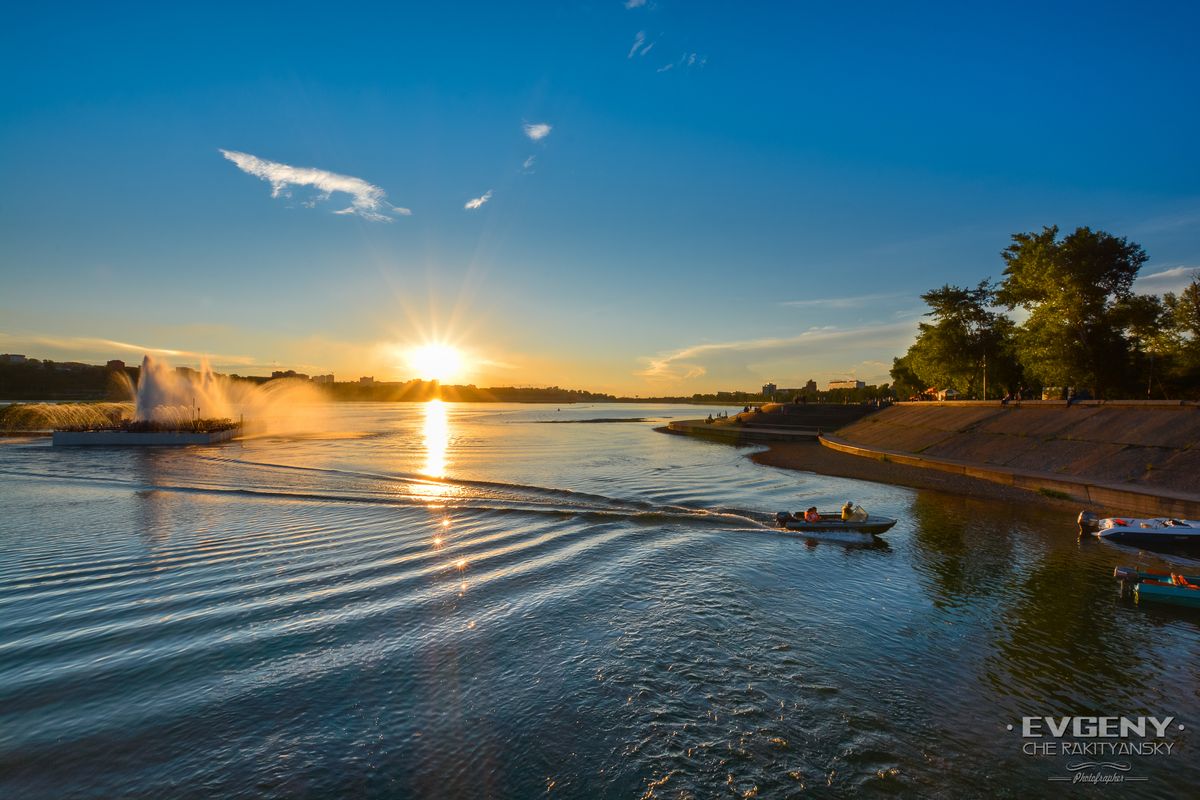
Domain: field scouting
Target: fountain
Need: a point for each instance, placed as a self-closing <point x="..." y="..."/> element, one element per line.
<point x="186" y="406"/>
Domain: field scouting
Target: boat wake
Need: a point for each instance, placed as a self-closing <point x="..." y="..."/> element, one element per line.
<point x="233" y="477"/>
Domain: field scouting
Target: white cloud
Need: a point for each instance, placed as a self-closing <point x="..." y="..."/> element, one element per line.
<point x="638" y="41"/>
<point x="528" y="163"/>
<point x="634" y="3"/>
<point x="478" y="202"/>
<point x="404" y="212"/>
<point x="843" y="302"/>
<point x="366" y="199"/>
<point x="695" y="361"/>
<point x="666" y="67"/>
<point x="537" y="131"/>
<point x="1168" y="280"/>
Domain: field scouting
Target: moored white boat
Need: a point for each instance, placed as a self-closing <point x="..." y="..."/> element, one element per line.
<point x="1129" y="530"/>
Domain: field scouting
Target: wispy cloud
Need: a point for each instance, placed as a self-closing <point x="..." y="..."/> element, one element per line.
<point x="638" y="41"/>
<point x="528" y="163"/>
<point x="537" y="130"/>
<point x="1165" y="222"/>
<point x="80" y="345"/>
<point x="691" y="362"/>
<point x="634" y="3"/>
<point x="1168" y="280"/>
<point x="857" y="301"/>
<point x="686" y="60"/>
<point x="366" y="200"/>
<point x="478" y="202"/>
<point x="640" y="48"/>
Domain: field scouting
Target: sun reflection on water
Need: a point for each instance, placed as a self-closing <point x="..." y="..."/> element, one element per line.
<point x="437" y="439"/>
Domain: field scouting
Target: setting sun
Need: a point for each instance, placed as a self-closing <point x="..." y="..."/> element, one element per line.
<point x="436" y="362"/>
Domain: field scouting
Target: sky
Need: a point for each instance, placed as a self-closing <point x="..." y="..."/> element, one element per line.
<point x="659" y="197"/>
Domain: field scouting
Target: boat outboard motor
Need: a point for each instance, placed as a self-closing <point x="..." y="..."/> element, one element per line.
<point x="1088" y="522"/>
<point x="1126" y="574"/>
<point x="781" y="517"/>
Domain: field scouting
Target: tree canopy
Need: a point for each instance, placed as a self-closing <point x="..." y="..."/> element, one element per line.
<point x="1083" y="325"/>
<point x="966" y="341"/>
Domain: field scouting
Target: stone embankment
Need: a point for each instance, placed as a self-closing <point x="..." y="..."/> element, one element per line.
<point x="775" y="422"/>
<point x="1131" y="457"/>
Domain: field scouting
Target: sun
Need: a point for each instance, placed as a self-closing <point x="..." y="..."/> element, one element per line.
<point x="436" y="362"/>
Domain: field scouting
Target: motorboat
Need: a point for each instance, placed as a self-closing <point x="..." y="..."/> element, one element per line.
<point x="1160" y="587"/>
<point x="1127" y="530"/>
<point x="862" y="524"/>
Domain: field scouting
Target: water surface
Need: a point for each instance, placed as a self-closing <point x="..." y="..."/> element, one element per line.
<point x="458" y="600"/>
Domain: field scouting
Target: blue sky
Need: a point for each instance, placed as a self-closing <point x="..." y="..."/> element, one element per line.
<point x="728" y="193"/>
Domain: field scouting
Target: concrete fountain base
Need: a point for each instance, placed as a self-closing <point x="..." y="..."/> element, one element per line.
<point x="122" y="438"/>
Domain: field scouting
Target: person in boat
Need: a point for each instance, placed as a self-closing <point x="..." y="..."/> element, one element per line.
<point x="847" y="511"/>
<point x="812" y="515"/>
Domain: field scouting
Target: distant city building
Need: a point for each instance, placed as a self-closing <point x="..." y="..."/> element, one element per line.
<point x="12" y="358"/>
<point x="846" y="385"/>
<point x="366" y="380"/>
<point x="773" y="392"/>
<point x="811" y="386"/>
<point x="116" y="364"/>
<point x="322" y="378"/>
<point x="290" y="373"/>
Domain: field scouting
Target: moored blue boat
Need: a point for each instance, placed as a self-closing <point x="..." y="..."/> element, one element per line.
<point x="1161" y="587"/>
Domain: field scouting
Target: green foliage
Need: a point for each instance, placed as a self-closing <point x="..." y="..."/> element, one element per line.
<point x="1072" y="289"/>
<point x="966" y="345"/>
<point x="1084" y="327"/>
<point x="905" y="381"/>
<point x="1183" y="314"/>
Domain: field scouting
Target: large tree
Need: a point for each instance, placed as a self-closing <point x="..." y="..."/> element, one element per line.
<point x="1183" y="313"/>
<point x="967" y="344"/>
<point x="1071" y="288"/>
<point x="1152" y="341"/>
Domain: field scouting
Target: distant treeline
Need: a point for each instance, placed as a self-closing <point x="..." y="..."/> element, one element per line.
<point x="420" y="391"/>
<point x="1083" y="327"/>
<point x="51" y="380"/>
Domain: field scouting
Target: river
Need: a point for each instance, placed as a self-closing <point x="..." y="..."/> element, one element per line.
<point x="442" y="600"/>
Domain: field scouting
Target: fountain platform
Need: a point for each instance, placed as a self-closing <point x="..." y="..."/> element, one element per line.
<point x="148" y="434"/>
<point x="118" y="438"/>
